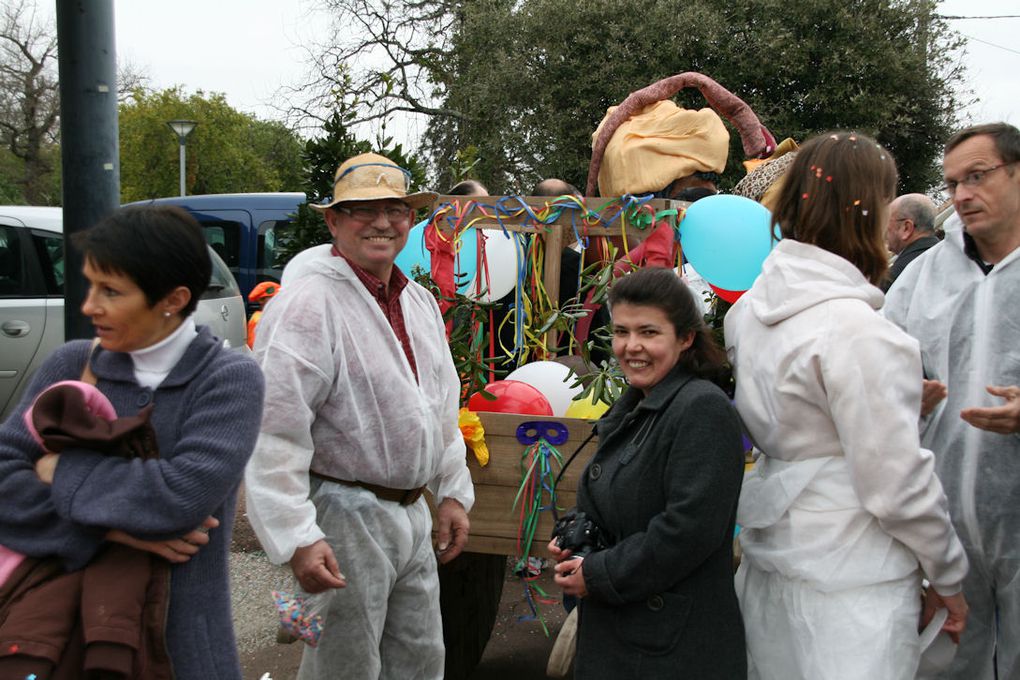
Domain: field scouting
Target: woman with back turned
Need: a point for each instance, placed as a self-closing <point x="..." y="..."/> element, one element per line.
<point x="843" y="513"/>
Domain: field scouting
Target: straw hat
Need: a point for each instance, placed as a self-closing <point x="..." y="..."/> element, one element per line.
<point x="371" y="177"/>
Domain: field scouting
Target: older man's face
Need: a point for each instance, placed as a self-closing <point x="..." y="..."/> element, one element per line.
<point x="370" y="233"/>
<point x="990" y="208"/>
<point x="894" y="230"/>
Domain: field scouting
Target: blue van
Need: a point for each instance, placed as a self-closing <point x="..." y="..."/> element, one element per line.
<point x="243" y="229"/>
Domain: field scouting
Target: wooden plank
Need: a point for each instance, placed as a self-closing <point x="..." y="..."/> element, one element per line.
<point x="494" y="521"/>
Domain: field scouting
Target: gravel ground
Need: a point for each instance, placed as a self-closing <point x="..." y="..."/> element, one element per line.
<point x="252" y="579"/>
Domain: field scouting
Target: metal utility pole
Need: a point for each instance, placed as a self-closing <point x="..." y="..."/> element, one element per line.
<point x="89" y="149"/>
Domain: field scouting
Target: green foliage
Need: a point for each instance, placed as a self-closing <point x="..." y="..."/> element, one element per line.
<point x="229" y="151"/>
<point x="45" y="189"/>
<point x="530" y="96"/>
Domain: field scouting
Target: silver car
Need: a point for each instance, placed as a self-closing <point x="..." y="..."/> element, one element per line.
<point x="32" y="297"/>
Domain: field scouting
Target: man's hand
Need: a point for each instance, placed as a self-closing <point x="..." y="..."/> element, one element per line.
<point x="46" y="467"/>
<point x="1003" y="419"/>
<point x="957" y="607"/>
<point x="932" y="392"/>
<point x="175" y="550"/>
<point x="316" y="569"/>
<point x="451" y="529"/>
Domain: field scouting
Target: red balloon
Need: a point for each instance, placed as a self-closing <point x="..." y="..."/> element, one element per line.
<point x="512" y="396"/>
<point x="728" y="295"/>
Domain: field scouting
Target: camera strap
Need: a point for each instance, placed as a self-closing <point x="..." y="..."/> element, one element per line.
<point x="563" y="469"/>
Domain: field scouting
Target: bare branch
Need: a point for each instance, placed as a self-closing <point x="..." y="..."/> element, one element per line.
<point x="387" y="57"/>
<point x="29" y="95"/>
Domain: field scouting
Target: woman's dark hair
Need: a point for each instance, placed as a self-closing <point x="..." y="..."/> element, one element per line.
<point x="834" y="196"/>
<point x="662" y="288"/>
<point x="157" y="247"/>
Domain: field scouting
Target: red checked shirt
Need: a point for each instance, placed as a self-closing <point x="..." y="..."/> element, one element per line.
<point x="389" y="302"/>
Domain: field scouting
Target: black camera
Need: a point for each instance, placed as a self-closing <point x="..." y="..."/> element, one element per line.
<point x="579" y="534"/>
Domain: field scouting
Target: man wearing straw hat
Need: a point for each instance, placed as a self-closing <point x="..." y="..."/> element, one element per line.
<point x="361" y="416"/>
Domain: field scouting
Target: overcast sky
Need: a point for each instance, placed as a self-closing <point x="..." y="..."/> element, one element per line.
<point x="248" y="48"/>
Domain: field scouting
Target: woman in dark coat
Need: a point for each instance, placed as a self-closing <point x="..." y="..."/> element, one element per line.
<point x="659" y="601"/>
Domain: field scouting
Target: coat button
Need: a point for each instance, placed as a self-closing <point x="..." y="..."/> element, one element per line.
<point x="144" y="398"/>
<point x="595" y="471"/>
<point x="655" y="603"/>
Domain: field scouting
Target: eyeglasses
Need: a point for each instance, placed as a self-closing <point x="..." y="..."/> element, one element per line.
<point x="365" y="214"/>
<point x="972" y="179"/>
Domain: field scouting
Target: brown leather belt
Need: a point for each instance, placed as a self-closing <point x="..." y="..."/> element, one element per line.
<point x="402" y="496"/>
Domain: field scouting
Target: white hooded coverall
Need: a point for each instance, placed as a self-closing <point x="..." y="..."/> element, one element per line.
<point x="342" y="400"/>
<point x="843" y="510"/>
<point x="968" y="325"/>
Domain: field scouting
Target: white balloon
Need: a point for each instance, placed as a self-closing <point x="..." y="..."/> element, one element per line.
<point x="697" y="285"/>
<point x="503" y="254"/>
<point x="551" y="379"/>
<point x="298" y="265"/>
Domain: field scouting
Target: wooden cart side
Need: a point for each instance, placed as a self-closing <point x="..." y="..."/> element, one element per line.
<point x="494" y="521"/>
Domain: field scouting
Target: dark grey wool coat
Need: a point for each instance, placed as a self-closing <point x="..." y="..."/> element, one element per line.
<point x="664" y="484"/>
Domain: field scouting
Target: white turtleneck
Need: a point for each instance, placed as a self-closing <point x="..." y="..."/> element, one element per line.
<point x="154" y="363"/>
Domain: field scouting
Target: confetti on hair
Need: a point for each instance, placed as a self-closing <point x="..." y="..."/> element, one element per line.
<point x="853" y="138"/>
<point x="829" y="179"/>
<point x="803" y="197"/>
<point x="864" y="212"/>
<point x="857" y="202"/>
<point x="835" y="137"/>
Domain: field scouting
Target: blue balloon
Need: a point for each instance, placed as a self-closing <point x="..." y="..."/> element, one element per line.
<point x="726" y="238"/>
<point x="415" y="253"/>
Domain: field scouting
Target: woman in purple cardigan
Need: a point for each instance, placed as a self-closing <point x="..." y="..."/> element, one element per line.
<point x="146" y="269"/>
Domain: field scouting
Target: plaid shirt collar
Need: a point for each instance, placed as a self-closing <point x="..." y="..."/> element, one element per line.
<point x="374" y="284"/>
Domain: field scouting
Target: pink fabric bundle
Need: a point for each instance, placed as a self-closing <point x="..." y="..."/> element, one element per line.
<point x="95" y="407"/>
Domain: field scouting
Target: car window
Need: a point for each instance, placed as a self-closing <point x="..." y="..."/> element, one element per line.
<point x="222" y="283"/>
<point x="225" y="238"/>
<point x="12" y="270"/>
<point x="272" y="235"/>
<point x="49" y="249"/>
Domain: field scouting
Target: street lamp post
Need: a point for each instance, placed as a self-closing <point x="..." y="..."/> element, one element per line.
<point x="182" y="128"/>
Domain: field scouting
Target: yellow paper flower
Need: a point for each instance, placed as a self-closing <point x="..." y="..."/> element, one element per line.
<point x="474" y="435"/>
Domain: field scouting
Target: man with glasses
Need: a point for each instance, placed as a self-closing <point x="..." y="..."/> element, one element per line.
<point x="962" y="302"/>
<point x="361" y="416"/>
<point x="910" y="232"/>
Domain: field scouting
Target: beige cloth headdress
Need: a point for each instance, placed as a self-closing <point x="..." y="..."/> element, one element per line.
<point x="658" y="145"/>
